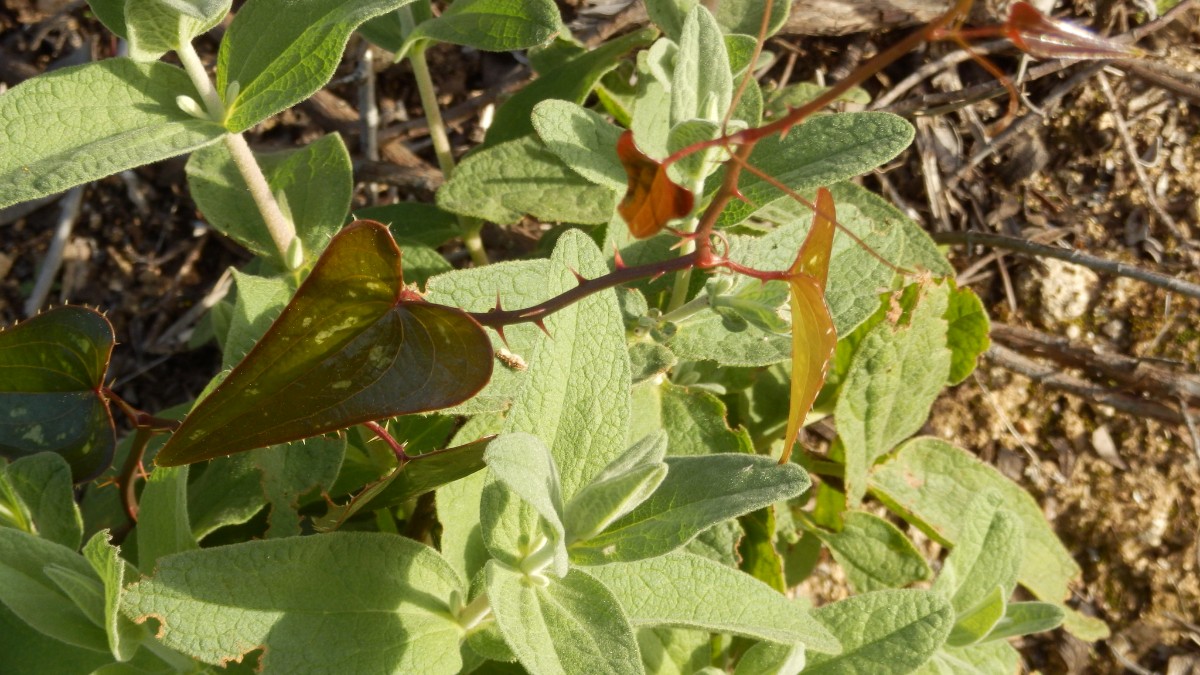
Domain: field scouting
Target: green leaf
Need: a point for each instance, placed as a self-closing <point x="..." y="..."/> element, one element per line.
<point x="53" y="366"/>
<point x="665" y="591"/>
<point x="257" y="303"/>
<point x="82" y="588"/>
<point x="30" y="652"/>
<point x="770" y="658"/>
<point x="987" y="554"/>
<point x="348" y="348"/>
<point x="821" y="151"/>
<point x="918" y="250"/>
<point x="502" y="183"/>
<point x="414" y="222"/>
<point x="855" y="275"/>
<point x="124" y="636"/>
<point x="108" y="116"/>
<point x="584" y="140"/>
<point x="27" y="590"/>
<point x="649" y="359"/>
<point x="39" y="488"/>
<point x="570" y="625"/>
<point x="740" y="49"/>
<point x="311" y="604"/>
<point x="975" y="622"/>
<point x="892" y="631"/>
<point x="458" y="505"/>
<point x="697" y="493"/>
<point x="492" y="25"/>
<point x="989" y="658"/>
<point x="583" y="419"/>
<point x="624" y="484"/>
<point x="875" y="554"/>
<point x="293" y="470"/>
<point x="523" y="502"/>
<point x="389" y="30"/>
<point x="313" y="184"/>
<point x="691" y="169"/>
<point x="669" y="15"/>
<point x="796" y="95"/>
<point x="674" y="651"/>
<point x="701" y="85"/>
<point x="931" y="484"/>
<point x="897" y="373"/>
<point x="967" y="334"/>
<point x="697" y="424"/>
<point x="1025" y="618"/>
<point x="163" y="527"/>
<point x="421" y="263"/>
<point x="756" y="549"/>
<point x="228" y="491"/>
<point x="155" y="27"/>
<point x="419" y="475"/>
<point x="112" y="14"/>
<point x="651" y="124"/>
<point x="745" y="16"/>
<point x="514" y="284"/>
<point x="280" y="52"/>
<point x="709" y="336"/>
<point x="571" y="81"/>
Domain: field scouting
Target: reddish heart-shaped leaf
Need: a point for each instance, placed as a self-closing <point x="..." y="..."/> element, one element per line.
<point x="652" y="200"/>
<point x="1046" y="38"/>
<point x="813" y="335"/>
<point x="350" y="347"/>
<point x="51" y="371"/>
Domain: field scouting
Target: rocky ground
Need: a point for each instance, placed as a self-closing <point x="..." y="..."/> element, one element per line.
<point x="1105" y="161"/>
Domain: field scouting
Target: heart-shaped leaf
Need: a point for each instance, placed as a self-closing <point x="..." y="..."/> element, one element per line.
<point x="51" y="370"/>
<point x="813" y="335"/>
<point x="353" y="345"/>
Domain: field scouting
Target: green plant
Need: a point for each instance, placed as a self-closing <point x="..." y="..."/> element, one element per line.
<point x="611" y="502"/>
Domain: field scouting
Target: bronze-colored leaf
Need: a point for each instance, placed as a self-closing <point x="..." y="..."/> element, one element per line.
<point x="352" y="346"/>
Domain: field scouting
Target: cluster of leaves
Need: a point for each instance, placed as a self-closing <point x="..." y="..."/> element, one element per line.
<point x="610" y="503"/>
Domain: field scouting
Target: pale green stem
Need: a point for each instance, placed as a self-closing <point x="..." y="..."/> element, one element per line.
<point x="201" y="81"/>
<point x="683" y="278"/>
<point x="441" y="147"/>
<point x="684" y="311"/>
<point x="475" y="612"/>
<point x="279" y="226"/>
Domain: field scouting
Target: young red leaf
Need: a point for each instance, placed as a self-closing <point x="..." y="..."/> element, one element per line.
<point x="813" y="334"/>
<point x="1046" y="38"/>
<point x="652" y="200"/>
<point x="350" y="347"/>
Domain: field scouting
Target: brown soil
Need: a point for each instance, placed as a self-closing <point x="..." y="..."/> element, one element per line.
<point x="1123" y="492"/>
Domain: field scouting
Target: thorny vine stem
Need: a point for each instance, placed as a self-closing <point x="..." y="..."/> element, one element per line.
<point x="396" y="446"/>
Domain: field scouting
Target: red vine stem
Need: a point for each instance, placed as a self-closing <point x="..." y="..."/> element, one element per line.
<point x="744" y="141"/>
<point x="797" y="115"/>
<point x="396" y="446"/>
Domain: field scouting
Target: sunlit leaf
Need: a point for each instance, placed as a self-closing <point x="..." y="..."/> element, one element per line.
<point x="813" y="334"/>
<point x="51" y="370"/>
<point x="352" y="346"/>
<point x="652" y="200"/>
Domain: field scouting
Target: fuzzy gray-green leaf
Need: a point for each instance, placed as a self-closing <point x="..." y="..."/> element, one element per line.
<point x="107" y="116"/>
